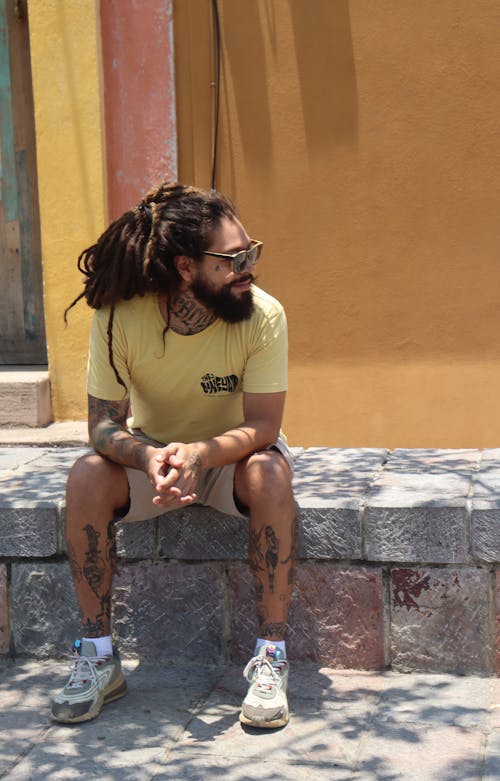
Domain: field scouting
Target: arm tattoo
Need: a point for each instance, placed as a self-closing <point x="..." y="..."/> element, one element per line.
<point x="109" y="434"/>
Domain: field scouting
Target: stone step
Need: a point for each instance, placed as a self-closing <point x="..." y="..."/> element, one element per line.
<point x="399" y="565"/>
<point x="24" y="396"/>
<point x="65" y="433"/>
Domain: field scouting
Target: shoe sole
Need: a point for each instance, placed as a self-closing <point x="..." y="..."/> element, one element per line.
<point x="103" y="699"/>
<point x="281" y="722"/>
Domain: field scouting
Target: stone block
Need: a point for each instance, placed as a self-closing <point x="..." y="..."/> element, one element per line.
<point x="497" y="622"/>
<point x="4" y="611"/>
<point x="440" y="620"/>
<point x="336" y="615"/>
<point x="330" y="533"/>
<point x="44" y="611"/>
<point x="485" y="508"/>
<point x="170" y="610"/>
<point x="29" y="532"/>
<point x="24" y="396"/>
<point x="32" y="498"/>
<point x="136" y="540"/>
<point x="417" y="509"/>
<point x="330" y="485"/>
<point x="202" y="533"/>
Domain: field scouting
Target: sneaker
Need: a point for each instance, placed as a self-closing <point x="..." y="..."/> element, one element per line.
<point x="94" y="681"/>
<point x="266" y="703"/>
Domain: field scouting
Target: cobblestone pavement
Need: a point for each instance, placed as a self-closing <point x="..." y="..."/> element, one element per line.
<point x="181" y="722"/>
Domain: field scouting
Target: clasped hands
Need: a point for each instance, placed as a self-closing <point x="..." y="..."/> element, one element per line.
<point x="173" y="472"/>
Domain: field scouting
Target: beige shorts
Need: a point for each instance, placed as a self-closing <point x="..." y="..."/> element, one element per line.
<point x="215" y="487"/>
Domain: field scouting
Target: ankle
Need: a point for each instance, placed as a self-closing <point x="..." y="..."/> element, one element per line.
<point x="103" y="644"/>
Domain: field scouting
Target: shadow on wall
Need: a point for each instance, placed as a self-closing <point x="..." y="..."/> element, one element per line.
<point x="325" y="71"/>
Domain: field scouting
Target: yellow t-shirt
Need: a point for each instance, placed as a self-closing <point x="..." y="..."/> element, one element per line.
<point x="185" y="388"/>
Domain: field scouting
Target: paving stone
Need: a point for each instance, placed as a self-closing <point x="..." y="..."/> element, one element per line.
<point x="417" y="509"/>
<point x="435" y="699"/>
<point x="336" y="615"/>
<point x="203" y="533"/>
<point x="193" y="767"/>
<point x="4" y="611"/>
<point x="330" y="485"/>
<point x="494" y="703"/>
<point x="173" y="609"/>
<point x="485" y="514"/>
<point x="45" y="618"/>
<point x="440" y="620"/>
<point x="410" y="751"/>
<point x="217" y="732"/>
<point x="136" y="540"/>
<point x="491" y="769"/>
<point x="129" y="740"/>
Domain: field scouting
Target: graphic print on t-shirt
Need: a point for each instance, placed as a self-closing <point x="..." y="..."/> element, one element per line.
<point x="213" y="384"/>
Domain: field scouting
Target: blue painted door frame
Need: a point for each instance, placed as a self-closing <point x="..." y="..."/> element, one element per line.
<point x="22" y="329"/>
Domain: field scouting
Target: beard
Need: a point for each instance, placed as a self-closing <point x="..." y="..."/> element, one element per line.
<point x="223" y="302"/>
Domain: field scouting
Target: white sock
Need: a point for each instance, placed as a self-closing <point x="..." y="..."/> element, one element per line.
<point x="103" y="645"/>
<point x="278" y="643"/>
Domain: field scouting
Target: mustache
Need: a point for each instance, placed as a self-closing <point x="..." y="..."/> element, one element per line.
<point x="246" y="278"/>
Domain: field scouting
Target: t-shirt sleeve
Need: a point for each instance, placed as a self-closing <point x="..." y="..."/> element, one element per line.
<point x="101" y="379"/>
<point x="266" y="370"/>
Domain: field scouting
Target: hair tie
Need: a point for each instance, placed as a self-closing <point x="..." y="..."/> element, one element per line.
<point x="143" y="207"/>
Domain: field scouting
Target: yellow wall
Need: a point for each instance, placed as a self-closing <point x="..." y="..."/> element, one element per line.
<point x="66" y="86"/>
<point x="361" y="142"/>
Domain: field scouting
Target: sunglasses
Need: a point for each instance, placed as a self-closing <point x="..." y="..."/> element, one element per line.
<point x="240" y="260"/>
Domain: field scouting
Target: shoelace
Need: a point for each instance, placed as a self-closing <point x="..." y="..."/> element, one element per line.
<point x="264" y="669"/>
<point x="83" y="668"/>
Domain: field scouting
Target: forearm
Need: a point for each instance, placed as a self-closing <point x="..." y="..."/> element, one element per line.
<point x="119" y="445"/>
<point x="109" y="435"/>
<point x="234" y="445"/>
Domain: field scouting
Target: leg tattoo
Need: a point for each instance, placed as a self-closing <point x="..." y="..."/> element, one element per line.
<point x="294" y="550"/>
<point x="94" y="566"/>
<point x="255" y="551"/>
<point x="271" y="555"/>
<point x="277" y="628"/>
<point x="111" y="539"/>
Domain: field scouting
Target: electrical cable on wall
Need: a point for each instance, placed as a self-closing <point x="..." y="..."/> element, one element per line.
<point x="216" y="27"/>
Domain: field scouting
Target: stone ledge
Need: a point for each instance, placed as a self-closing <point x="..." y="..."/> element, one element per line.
<point x="400" y="564"/>
<point x="25" y="396"/>
<point x="408" y="506"/>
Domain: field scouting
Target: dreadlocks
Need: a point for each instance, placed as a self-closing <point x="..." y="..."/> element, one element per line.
<point x="135" y="255"/>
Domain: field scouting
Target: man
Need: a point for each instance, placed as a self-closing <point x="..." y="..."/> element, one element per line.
<point x="186" y="381"/>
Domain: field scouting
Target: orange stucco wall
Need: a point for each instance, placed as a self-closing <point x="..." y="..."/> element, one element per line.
<point x="361" y="142"/>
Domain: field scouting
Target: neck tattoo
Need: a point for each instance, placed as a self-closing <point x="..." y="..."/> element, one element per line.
<point x="188" y="316"/>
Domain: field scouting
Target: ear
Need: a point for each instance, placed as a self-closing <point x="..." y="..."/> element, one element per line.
<point x="184" y="266"/>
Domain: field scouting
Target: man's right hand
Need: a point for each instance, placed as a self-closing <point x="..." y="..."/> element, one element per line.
<point x="165" y="478"/>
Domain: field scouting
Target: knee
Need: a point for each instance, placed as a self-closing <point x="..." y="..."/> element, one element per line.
<point x="95" y="478"/>
<point x="267" y="471"/>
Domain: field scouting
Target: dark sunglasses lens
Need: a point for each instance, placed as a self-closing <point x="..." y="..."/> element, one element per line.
<point x="239" y="261"/>
<point x="254" y="254"/>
